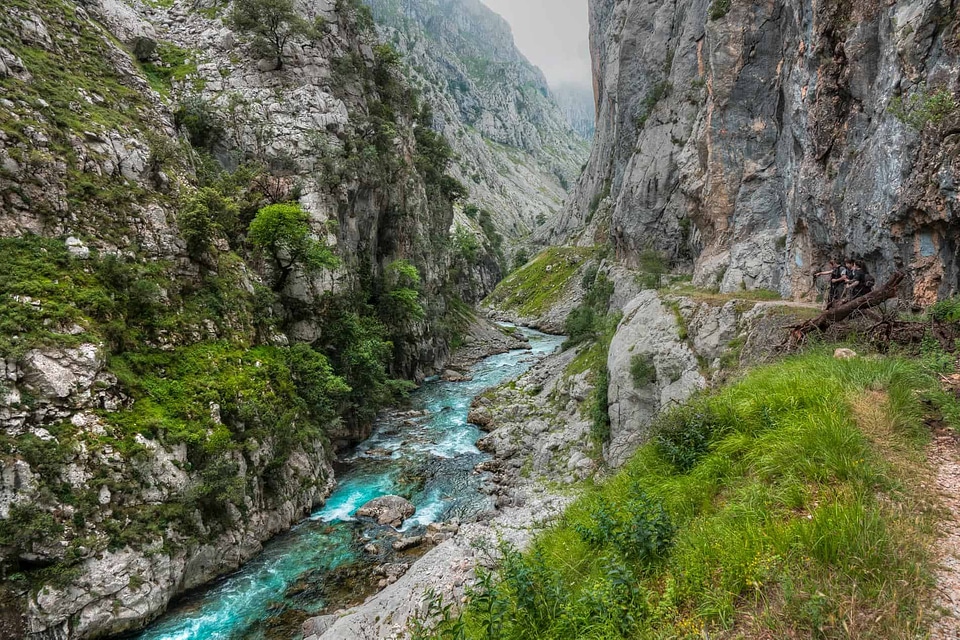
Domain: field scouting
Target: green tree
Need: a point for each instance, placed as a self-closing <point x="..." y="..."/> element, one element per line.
<point x="467" y="245"/>
<point x="282" y="233"/>
<point x="207" y="211"/>
<point x="401" y="302"/>
<point x="272" y="23"/>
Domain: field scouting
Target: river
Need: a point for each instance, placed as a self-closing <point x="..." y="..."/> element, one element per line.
<point x="429" y="454"/>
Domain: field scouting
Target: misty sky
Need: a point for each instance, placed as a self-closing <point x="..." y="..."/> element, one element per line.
<point x="552" y="34"/>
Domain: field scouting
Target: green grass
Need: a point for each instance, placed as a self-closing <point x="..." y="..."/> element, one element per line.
<point x="534" y="288"/>
<point x="175" y="65"/>
<point x="787" y="505"/>
<point x="50" y="298"/>
<point x="61" y="85"/>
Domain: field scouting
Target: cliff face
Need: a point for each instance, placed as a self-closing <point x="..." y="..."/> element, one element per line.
<point x="754" y="141"/>
<point x="516" y="153"/>
<point x="170" y="397"/>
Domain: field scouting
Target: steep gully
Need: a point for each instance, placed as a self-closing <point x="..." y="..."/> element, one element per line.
<point x="286" y="582"/>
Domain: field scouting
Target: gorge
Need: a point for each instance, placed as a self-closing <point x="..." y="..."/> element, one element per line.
<point x="262" y="261"/>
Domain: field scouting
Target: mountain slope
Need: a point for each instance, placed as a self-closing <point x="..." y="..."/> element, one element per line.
<point x="214" y="262"/>
<point x="515" y="151"/>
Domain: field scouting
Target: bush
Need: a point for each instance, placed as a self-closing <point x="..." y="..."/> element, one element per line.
<point x="400" y="305"/>
<point x="683" y="435"/>
<point x="467" y="245"/>
<point x="282" y="232"/>
<point x="945" y="310"/>
<point x="639" y="529"/>
<point x="206" y="212"/>
<point x="201" y="121"/>
<point x="643" y="370"/>
<point x="27" y="525"/>
<point x="580" y="326"/>
<point x="924" y="107"/>
<point x="272" y="23"/>
<point x="600" y="407"/>
<point x="652" y="265"/>
<point x="719" y="8"/>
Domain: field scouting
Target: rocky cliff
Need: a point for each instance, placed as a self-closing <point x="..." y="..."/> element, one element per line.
<point x="215" y="256"/>
<point x="751" y="142"/>
<point x="515" y="151"/>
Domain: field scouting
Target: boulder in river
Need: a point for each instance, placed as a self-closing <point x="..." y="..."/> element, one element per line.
<point x="387" y="510"/>
<point x="407" y="543"/>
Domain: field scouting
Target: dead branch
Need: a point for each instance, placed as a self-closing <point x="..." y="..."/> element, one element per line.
<point x="837" y="314"/>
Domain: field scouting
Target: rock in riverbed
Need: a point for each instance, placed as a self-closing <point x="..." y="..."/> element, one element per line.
<point x="387" y="510"/>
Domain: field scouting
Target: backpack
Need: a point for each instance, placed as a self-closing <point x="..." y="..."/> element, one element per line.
<point x="869" y="281"/>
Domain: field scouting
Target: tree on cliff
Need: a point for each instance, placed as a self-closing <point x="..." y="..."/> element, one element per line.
<point x="282" y="233"/>
<point x="272" y="23"/>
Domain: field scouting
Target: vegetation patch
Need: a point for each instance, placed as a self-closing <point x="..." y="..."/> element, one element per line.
<point x="923" y="108"/>
<point x="541" y="283"/>
<point x="781" y="506"/>
<point x="719" y="8"/>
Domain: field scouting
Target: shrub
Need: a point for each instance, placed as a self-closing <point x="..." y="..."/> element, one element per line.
<point x="653" y="265"/>
<point x="201" y="121"/>
<point x="600" y="407"/>
<point x="924" y="107"/>
<point x="467" y="245"/>
<point x="207" y="212"/>
<point x="640" y="529"/>
<point x="272" y="23"/>
<point x="580" y="326"/>
<point x="947" y="310"/>
<point x="719" y="8"/>
<point x="643" y="370"/>
<point x="282" y="232"/>
<point x="27" y="525"/>
<point x="683" y="435"/>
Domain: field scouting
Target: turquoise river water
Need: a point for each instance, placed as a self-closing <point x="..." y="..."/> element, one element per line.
<point x="287" y="580"/>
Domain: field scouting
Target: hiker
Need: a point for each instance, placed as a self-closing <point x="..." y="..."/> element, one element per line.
<point x="836" y="273"/>
<point x="869" y="282"/>
<point x="856" y="280"/>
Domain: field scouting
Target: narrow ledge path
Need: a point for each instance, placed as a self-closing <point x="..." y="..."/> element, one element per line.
<point x="945" y="455"/>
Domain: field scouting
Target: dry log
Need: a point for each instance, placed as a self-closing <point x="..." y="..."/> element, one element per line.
<point x="839" y="313"/>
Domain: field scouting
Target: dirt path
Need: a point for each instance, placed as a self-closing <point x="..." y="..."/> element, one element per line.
<point x="945" y="454"/>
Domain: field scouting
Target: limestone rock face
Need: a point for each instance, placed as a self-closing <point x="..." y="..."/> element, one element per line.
<point x="648" y="332"/>
<point x="753" y="146"/>
<point x="387" y="510"/>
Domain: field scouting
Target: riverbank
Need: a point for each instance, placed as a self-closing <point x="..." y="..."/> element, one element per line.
<point x="799" y="501"/>
<point x="524" y="506"/>
<point x="424" y="453"/>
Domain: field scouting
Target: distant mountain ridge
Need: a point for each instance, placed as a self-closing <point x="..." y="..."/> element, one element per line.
<point x="577" y="103"/>
<point x="515" y="149"/>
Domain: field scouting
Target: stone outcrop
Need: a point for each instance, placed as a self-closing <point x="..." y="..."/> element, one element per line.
<point x="649" y="334"/>
<point x="751" y="142"/>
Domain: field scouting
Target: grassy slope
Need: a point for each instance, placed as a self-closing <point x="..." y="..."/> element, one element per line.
<point x="538" y="285"/>
<point x="787" y="505"/>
